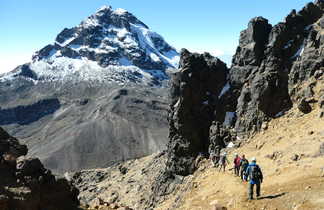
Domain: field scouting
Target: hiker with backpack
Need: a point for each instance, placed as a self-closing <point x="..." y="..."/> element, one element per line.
<point x="255" y="177"/>
<point x="215" y="160"/>
<point x="223" y="161"/>
<point x="237" y="161"/>
<point x="244" y="163"/>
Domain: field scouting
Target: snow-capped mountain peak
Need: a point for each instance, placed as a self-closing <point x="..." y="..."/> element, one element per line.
<point x="109" y="41"/>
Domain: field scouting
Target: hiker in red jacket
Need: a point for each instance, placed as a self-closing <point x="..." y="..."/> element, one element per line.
<point x="237" y="164"/>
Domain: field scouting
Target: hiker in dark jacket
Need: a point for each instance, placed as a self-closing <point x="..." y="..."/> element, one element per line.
<point x="244" y="163"/>
<point x="255" y="177"/>
<point x="223" y="161"/>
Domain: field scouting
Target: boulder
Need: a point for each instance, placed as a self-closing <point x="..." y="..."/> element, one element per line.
<point x="123" y="170"/>
<point x="304" y="107"/>
<point x="11" y="145"/>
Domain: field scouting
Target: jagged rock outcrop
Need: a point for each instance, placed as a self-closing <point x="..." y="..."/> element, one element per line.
<point x="195" y="93"/>
<point x="270" y="61"/>
<point x="27" y="185"/>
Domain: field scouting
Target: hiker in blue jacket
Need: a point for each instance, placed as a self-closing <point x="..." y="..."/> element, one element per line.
<point x="244" y="163"/>
<point x="255" y="177"/>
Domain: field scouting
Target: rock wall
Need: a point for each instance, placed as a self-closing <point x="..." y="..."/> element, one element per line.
<point x="270" y="61"/>
<point x="195" y="99"/>
<point x="27" y="185"/>
<point x="211" y="105"/>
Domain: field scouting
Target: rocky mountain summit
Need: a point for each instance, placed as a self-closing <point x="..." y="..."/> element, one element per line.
<point x="109" y="46"/>
<point x="26" y="184"/>
<point x="95" y="97"/>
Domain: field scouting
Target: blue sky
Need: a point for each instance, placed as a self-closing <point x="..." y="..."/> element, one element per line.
<point x="206" y="25"/>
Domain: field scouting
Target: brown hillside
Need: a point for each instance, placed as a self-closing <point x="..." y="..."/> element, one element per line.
<point x="288" y="184"/>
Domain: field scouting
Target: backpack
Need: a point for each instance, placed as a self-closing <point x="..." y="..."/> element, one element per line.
<point x="254" y="173"/>
<point x="244" y="164"/>
<point x="222" y="159"/>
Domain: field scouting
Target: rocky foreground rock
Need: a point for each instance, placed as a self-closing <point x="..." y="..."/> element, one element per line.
<point x="26" y="185"/>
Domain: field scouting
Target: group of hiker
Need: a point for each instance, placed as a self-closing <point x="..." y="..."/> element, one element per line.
<point x="247" y="171"/>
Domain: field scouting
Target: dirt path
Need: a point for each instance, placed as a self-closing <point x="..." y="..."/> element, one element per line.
<point x="288" y="183"/>
<point x="303" y="193"/>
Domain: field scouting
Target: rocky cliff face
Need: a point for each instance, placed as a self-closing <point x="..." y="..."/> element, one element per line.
<point x="96" y="96"/>
<point x="195" y="95"/>
<point x="270" y="65"/>
<point x="270" y="61"/>
<point x="27" y="185"/>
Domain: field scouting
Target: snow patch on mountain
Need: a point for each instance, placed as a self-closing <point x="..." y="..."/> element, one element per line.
<point x="66" y="69"/>
<point x="224" y="90"/>
<point x="120" y="11"/>
<point x="108" y="45"/>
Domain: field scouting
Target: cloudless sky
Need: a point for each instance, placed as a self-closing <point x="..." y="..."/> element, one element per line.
<point x="205" y="25"/>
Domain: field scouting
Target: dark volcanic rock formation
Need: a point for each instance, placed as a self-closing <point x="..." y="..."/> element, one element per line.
<point x="27" y="185"/>
<point x="269" y="61"/>
<point x="195" y="101"/>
